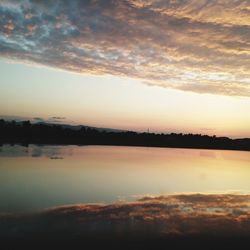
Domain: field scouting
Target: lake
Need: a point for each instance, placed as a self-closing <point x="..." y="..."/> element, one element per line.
<point x="38" y="177"/>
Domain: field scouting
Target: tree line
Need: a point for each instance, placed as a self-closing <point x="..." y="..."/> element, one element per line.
<point x="12" y="132"/>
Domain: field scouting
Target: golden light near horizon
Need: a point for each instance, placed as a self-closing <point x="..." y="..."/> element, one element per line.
<point x="170" y="66"/>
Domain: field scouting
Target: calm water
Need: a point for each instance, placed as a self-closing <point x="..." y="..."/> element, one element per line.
<point x="37" y="177"/>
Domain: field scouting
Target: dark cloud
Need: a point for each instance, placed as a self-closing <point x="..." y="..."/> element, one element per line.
<point x="54" y="119"/>
<point x="58" y="118"/>
<point x="191" y="45"/>
<point x="38" y="119"/>
<point x="13" y="118"/>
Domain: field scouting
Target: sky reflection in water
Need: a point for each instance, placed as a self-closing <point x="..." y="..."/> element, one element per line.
<point x="38" y="177"/>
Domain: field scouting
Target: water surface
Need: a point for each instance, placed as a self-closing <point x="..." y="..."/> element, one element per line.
<point x="38" y="177"/>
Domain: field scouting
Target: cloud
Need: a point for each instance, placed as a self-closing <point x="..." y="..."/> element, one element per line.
<point x="38" y="119"/>
<point x="58" y="118"/>
<point x="54" y="119"/>
<point x="190" y="45"/>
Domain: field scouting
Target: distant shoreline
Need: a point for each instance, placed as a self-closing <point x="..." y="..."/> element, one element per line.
<point x="25" y="133"/>
<point x="114" y="145"/>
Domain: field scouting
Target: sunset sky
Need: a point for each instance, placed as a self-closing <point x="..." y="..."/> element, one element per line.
<point x="162" y="65"/>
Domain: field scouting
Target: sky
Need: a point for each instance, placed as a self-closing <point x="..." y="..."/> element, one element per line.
<point x="162" y="65"/>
